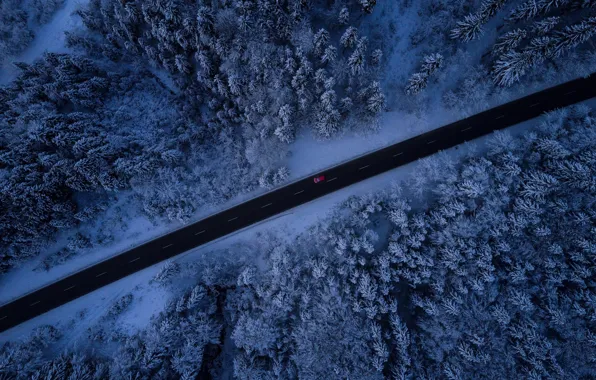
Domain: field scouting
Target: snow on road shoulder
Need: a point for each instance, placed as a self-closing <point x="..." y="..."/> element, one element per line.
<point x="309" y="155"/>
<point x="75" y="317"/>
<point x="28" y="277"/>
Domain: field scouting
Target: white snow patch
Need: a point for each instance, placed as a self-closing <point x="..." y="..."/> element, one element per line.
<point x="309" y="155"/>
<point x="75" y="317"/>
<point x="25" y="278"/>
<point x="50" y="37"/>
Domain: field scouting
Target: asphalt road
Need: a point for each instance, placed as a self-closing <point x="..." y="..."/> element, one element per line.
<point x="290" y="196"/>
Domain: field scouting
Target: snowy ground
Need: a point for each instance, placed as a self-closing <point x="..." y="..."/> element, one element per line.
<point x="149" y="298"/>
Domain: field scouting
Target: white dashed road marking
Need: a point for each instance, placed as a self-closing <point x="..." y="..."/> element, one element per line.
<point x="101" y="274"/>
<point x="500" y="117"/>
<point x="534" y="105"/>
<point x="67" y="289"/>
<point x="133" y="260"/>
<point x="200" y="232"/>
<point x="430" y="142"/>
<point x="167" y="246"/>
<point x="364" y="167"/>
<point x="6" y="316"/>
<point x="34" y="303"/>
<point x="267" y="205"/>
<point x="332" y="179"/>
<point x="570" y="92"/>
<point x="300" y="192"/>
<point x="399" y="154"/>
<point x="229" y="220"/>
<point x="463" y="130"/>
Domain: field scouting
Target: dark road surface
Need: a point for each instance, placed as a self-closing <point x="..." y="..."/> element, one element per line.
<point x="295" y="194"/>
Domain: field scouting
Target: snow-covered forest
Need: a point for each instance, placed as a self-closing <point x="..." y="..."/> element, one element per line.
<point x="164" y="109"/>
<point x="83" y="130"/>
<point x="478" y="268"/>
<point x="157" y="112"/>
<point x="467" y="56"/>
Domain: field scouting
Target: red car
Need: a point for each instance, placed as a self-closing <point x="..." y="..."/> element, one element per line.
<point x="320" y="178"/>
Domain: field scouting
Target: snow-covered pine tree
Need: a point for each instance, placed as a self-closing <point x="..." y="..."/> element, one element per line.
<point x="489" y="8"/>
<point x="541" y="48"/>
<point x="166" y="272"/>
<point x="301" y="78"/>
<point x="266" y="179"/>
<point x="511" y="66"/>
<point x="418" y="81"/>
<point x="285" y="132"/>
<point x="574" y="35"/>
<point x="509" y="41"/>
<point x="14" y="28"/>
<point x="525" y="11"/>
<point x="469" y="29"/>
<point x="197" y="294"/>
<point x="181" y="304"/>
<point x="374" y="99"/>
<point x="533" y="8"/>
<point x="327" y="116"/>
<point x="344" y="16"/>
<point x="357" y="60"/>
<point x="329" y="55"/>
<point x="432" y="63"/>
<point x="545" y="6"/>
<point x="119" y="306"/>
<point x="368" y="5"/>
<point x="78" y="242"/>
<point x="349" y="38"/>
<point x="345" y="105"/>
<point x="321" y="40"/>
<point x="281" y="175"/>
<point x="543" y="27"/>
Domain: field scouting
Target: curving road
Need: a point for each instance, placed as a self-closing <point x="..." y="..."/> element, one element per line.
<point x="292" y="195"/>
